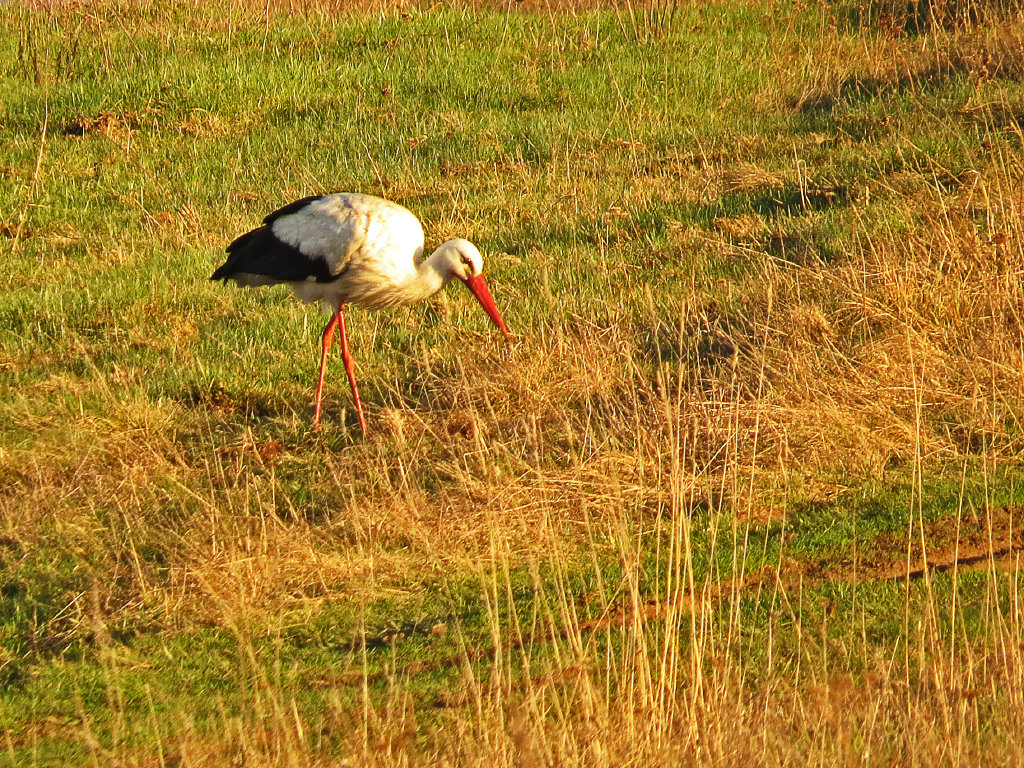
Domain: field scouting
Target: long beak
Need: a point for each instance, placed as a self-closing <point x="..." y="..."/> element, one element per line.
<point x="479" y="288"/>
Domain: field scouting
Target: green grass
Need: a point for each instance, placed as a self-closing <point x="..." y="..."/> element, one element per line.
<point x="762" y="267"/>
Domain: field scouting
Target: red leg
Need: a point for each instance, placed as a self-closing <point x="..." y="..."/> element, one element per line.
<point x="350" y="369"/>
<point x="328" y="337"/>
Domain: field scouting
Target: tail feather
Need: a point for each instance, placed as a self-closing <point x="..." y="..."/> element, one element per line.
<point x="237" y="256"/>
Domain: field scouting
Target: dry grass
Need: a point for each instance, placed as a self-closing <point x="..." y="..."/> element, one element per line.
<point x="888" y="63"/>
<point x="617" y="497"/>
<point x="924" y="327"/>
<point x="908" y="353"/>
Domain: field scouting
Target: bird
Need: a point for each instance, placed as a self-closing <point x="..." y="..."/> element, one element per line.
<point x="351" y="248"/>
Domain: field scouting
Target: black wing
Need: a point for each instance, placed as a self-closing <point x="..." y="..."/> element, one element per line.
<point x="260" y="252"/>
<point x="295" y="207"/>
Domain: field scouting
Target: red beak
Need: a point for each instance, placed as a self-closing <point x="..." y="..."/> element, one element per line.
<point x="479" y="288"/>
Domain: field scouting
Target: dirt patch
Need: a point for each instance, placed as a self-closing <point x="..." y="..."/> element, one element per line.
<point x="968" y="543"/>
<point x="108" y="123"/>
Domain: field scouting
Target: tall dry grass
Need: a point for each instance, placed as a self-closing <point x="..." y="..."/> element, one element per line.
<point x="903" y="352"/>
<point x="611" y="450"/>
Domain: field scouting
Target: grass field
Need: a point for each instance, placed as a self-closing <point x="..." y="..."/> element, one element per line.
<point x="744" y="489"/>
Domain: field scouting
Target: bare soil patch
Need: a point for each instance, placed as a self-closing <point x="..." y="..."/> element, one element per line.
<point x="967" y="544"/>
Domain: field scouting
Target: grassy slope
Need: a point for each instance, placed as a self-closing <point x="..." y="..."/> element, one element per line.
<point x="765" y="278"/>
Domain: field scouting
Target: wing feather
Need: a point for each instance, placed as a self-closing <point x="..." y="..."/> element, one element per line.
<point x="373" y="242"/>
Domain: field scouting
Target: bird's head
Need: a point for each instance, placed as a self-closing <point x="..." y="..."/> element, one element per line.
<point x="460" y="258"/>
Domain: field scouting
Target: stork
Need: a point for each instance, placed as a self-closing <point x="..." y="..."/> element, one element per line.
<point x="350" y="248"/>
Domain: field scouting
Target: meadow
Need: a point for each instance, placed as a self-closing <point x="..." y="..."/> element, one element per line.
<point x="744" y="488"/>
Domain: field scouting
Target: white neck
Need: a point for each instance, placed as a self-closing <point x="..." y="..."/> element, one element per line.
<point x="432" y="274"/>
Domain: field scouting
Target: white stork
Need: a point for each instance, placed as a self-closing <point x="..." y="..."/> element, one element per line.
<point x="351" y="248"/>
